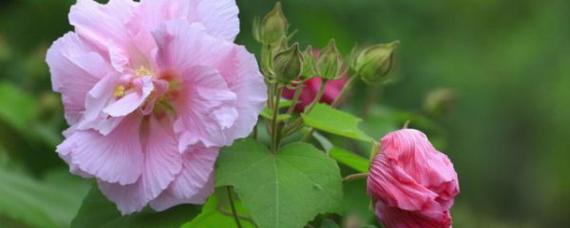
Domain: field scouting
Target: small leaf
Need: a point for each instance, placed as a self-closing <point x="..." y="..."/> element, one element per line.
<point x="328" y="119"/>
<point x="350" y="159"/>
<point x="97" y="211"/>
<point x="287" y="189"/>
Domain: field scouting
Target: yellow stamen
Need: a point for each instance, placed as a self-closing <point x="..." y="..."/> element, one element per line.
<point x="119" y="91"/>
<point x="143" y="71"/>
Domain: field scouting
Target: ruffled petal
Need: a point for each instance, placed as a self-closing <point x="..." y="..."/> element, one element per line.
<point x="219" y="18"/>
<point x="162" y="163"/>
<point x="96" y="100"/>
<point x="113" y="158"/>
<point x="104" y="26"/>
<point x="413" y="154"/>
<point x="241" y="72"/>
<point x="75" y="69"/>
<point x="411" y="183"/>
<point x="204" y="109"/>
<point x="194" y="184"/>
<point x="397" y="188"/>
<point x="181" y="47"/>
<point x="394" y="217"/>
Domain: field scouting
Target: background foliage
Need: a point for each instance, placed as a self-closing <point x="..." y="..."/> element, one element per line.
<point x="506" y="61"/>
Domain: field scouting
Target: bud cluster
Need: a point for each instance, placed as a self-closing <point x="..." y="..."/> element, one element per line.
<point x="305" y="75"/>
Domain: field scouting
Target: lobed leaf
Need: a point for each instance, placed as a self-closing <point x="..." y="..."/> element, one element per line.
<point x="287" y="189"/>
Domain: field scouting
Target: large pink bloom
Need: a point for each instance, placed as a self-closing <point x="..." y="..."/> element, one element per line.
<point x="411" y="183"/>
<point x="151" y="91"/>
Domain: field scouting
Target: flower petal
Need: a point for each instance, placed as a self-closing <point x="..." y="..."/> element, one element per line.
<point x="181" y="47"/>
<point x="194" y="184"/>
<point x="97" y="99"/>
<point x="131" y="101"/>
<point x="104" y="26"/>
<point x="396" y="217"/>
<point x="75" y="68"/>
<point x="411" y="183"/>
<point x="162" y="163"/>
<point x="219" y="18"/>
<point x="241" y="72"/>
<point x="199" y="109"/>
<point x="113" y="158"/>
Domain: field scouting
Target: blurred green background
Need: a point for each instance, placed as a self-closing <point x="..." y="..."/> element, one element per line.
<point x="507" y="61"/>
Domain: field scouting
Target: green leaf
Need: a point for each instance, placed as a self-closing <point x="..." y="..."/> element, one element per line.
<point x="40" y="204"/>
<point x="328" y="119"/>
<point x="212" y="216"/>
<point x="97" y="211"/>
<point x="350" y="159"/>
<point x="17" y="108"/>
<point x="287" y="189"/>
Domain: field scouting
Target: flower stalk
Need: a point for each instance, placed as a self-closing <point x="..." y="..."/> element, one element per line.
<point x="233" y="207"/>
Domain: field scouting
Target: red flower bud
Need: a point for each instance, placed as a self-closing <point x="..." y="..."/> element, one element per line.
<point x="411" y="183"/>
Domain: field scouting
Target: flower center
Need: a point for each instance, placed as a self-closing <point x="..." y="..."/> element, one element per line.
<point x="143" y="71"/>
<point x="119" y="91"/>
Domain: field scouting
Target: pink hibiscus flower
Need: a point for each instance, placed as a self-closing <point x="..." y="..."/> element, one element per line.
<point x="411" y="183"/>
<point x="151" y="91"/>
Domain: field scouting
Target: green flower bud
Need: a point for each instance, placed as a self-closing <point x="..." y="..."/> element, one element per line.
<point x="329" y="64"/>
<point x="274" y="26"/>
<point x="309" y="63"/>
<point x="373" y="64"/>
<point x="288" y="64"/>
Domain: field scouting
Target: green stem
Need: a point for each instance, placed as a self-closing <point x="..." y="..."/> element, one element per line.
<point x="234" y="211"/>
<point x="296" y="97"/>
<point x="274" y="121"/>
<point x="342" y="93"/>
<point x="353" y="177"/>
<point x="270" y="105"/>
<point x="318" y="97"/>
<point x="298" y="124"/>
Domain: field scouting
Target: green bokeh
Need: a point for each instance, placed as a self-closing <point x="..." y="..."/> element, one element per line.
<point x="507" y="61"/>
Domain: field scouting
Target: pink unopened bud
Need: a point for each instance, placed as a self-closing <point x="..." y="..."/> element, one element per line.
<point x="411" y="183"/>
<point x="311" y="87"/>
